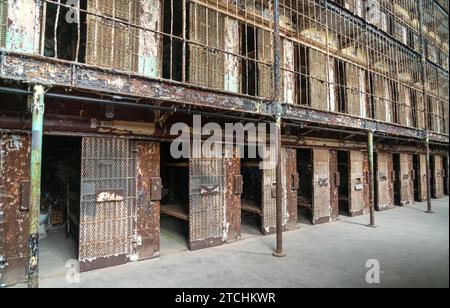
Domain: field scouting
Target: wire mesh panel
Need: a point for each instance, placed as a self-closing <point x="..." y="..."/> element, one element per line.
<point x="113" y="40"/>
<point x="107" y="198"/>
<point x="207" y="62"/>
<point x="207" y="202"/>
<point x="3" y="16"/>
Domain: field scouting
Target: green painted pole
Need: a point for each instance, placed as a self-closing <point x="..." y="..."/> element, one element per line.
<point x="371" y="179"/>
<point x="37" y="108"/>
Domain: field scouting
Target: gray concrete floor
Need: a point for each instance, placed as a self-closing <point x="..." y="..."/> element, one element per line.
<point x="411" y="246"/>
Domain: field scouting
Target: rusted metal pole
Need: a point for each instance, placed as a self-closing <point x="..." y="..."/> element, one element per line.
<point x="279" y="253"/>
<point x="425" y="104"/>
<point x="371" y="178"/>
<point x="429" y="175"/>
<point x="37" y="109"/>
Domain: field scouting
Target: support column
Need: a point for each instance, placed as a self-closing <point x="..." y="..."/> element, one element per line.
<point x="35" y="191"/>
<point x="429" y="175"/>
<point x="371" y="179"/>
<point x="278" y="116"/>
<point x="425" y="104"/>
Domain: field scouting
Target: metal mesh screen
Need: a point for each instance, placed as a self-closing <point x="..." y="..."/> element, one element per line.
<point x="107" y="198"/>
<point x="207" y="28"/>
<point x="3" y="16"/>
<point x="113" y="41"/>
<point x="207" y="212"/>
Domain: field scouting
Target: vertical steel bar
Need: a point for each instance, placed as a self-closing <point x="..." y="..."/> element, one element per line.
<point x="35" y="191"/>
<point x="371" y="178"/>
<point x="277" y="113"/>
<point x="425" y="104"/>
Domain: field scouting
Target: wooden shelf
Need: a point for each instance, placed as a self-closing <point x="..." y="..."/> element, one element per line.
<point x="176" y="165"/>
<point x="304" y="202"/>
<point x="250" y="207"/>
<point x="176" y="210"/>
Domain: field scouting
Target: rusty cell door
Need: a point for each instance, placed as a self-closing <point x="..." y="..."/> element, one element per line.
<point x="207" y="202"/>
<point x="321" y="200"/>
<point x="385" y="177"/>
<point x="14" y="205"/>
<point x="357" y="187"/>
<point x="107" y="209"/>
<point x="268" y="193"/>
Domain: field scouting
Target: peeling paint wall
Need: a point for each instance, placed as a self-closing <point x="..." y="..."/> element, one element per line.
<point x="149" y="47"/>
<point x="232" y="63"/>
<point x="23" y="26"/>
<point x="289" y="66"/>
<point x="14" y="222"/>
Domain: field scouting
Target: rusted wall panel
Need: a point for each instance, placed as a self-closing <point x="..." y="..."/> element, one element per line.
<point x="14" y="223"/>
<point x="147" y="211"/>
<point x="356" y="184"/>
<point x="233" y="200"/>
<point x="321" y="186"/>
<point x="384" y="181"/>
<point x="406" y="182"/>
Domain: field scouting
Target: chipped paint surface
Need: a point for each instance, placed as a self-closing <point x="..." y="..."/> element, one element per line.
<point x="147" y="226"/>
<point x="14" y="168"/>
<point x="149" y="50"/>
<point x="232" y="63"/>
<point x="23" y="26"/>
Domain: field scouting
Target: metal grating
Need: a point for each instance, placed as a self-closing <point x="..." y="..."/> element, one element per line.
<point x="113" y="41"/>
<point x="107" y="198"/>
<point x="207" y="64"/>
<point x="3" y="16"/>
<point x="207" y="212"/>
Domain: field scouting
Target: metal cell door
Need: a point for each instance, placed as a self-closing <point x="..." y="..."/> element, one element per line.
<point x="356" y="183"/>
<point x="207" y="202"/>
<point x="321" y="201"/>
<point x="107" y="202"/>
<point x="384" y="181"/>
<point x="268" y="193"/>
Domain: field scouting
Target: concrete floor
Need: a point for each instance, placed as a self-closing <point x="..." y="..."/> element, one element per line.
<point x="411" y="246"/>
